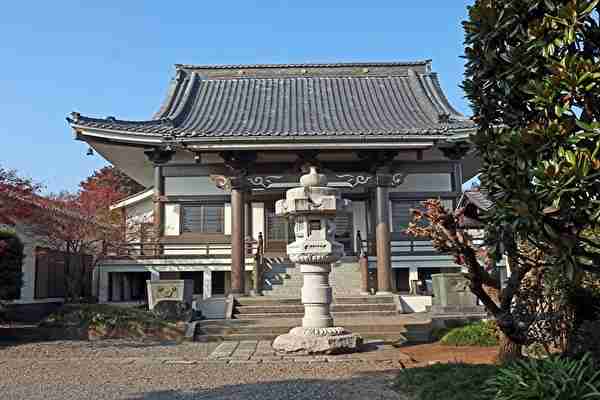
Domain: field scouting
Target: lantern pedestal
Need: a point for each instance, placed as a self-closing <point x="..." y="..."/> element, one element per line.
<point x="329" y="340"/>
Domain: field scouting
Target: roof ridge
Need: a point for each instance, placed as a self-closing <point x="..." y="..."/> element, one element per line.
<point x="308" y="65"/>
<point x="241" y="78"/>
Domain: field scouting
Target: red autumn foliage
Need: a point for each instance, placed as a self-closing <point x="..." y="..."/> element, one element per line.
<point x="16" y="193"/>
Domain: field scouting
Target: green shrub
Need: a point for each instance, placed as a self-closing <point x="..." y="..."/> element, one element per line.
<point x="587" y="340"/>
<point x="445" y="381"/>
<point x="11" y="261"/>
<point x="550" y="378"/>
<point x="483" y="333"/>
<point x="103" y="316"/>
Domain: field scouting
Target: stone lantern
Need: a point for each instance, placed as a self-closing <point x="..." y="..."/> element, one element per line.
<point x="313" y="207"/>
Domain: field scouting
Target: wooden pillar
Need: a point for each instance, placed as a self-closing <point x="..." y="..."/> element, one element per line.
<point x="159" y="210"/>
<point x="238" y="256"/>
<point x="363" y="262"/>
<point x="382" y="235"/>
<point x="247" y="218"/>
<point x="239" y="163"/>
<point x="159" y="156"/>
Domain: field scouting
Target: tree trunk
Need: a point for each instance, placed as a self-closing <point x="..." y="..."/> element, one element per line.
<point x="509" y="351"/>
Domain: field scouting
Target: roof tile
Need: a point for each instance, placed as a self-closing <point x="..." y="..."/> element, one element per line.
<point x="393" y="102"/>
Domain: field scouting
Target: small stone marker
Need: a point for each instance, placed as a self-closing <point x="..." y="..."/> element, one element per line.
<point x="175" y="290"/>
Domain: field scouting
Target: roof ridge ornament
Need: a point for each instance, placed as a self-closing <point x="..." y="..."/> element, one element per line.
<point x="74" y="117"/>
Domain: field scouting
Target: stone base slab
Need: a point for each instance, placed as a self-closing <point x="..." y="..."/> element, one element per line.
<point x="332" y="340"/>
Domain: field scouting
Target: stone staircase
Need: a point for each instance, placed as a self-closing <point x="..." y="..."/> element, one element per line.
<point x="252" y="308"/>
<point x="265" y="318"/>
<point x="282" y="279"/>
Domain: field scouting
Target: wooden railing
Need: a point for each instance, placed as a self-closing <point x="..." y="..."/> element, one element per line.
<point x="160" y="249"/>
<point x="404" y="246"/>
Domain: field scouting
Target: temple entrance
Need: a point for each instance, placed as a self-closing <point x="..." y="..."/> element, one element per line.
<point x="280" y="231"/>
<point x="343" y="232"/>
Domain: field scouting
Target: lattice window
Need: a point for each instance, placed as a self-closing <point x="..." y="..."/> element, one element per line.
<point x="205" y="218"/>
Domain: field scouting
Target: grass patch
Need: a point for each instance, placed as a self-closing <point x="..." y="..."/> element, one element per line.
<point x="445" y="381"/>
<point x="482" y="333"/>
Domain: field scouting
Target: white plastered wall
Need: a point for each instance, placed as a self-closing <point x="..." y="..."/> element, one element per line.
<point x="172" y="219"/>
<point x="141" y="212"/>
<point x="258" y="219"/>
<point x="227" y="219"/>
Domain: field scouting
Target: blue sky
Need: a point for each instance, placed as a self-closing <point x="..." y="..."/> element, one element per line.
<point x="116" y="58"/>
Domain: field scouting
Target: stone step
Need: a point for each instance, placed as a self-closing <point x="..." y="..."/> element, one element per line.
<point x="334" y="314"/>
<point x="261" y="300"/>
<point x="281" y="308"/>
<point x="368" y="325"/>
<point x="387" y="333"/>
<point x="385" y="337"/>
<point x="258" y="329"/>
<point x="364" y="299"/>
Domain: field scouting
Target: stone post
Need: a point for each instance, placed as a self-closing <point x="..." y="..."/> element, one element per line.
<point x="313" y="207"/>
<point x="154" y="275"/>
<point x="206" y="284"/>
<point x="413" y="278"/>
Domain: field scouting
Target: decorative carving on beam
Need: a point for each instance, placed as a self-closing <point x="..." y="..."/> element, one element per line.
<point x="356" y="180"/>
<point x="383" y="179"/>
<point x="348" y="180"/>
<point x="398" y="178"/>
<point x="227" y="183"/>
<point x="263" y="181"/>
<point x="221" y="181"/>
<point x="455" y="151"/>
<point x="160" y="155"/>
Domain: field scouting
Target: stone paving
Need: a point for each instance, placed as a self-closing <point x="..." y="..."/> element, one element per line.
<point x="254" y="352"/>
<point x="132" y="370"/>
<point x="140" y="370"/>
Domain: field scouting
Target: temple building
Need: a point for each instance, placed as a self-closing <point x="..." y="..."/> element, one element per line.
<point x="229" y="140"/>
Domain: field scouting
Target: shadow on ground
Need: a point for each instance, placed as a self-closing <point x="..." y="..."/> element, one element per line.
<point x="365" y="386"/>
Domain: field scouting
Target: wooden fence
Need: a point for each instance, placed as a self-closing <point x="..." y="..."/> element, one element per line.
<point x="55" y="270"/>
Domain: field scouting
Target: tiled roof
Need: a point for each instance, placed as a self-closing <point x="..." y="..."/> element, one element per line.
<point x="307" y="100"/>
<point x="480" y="199"/>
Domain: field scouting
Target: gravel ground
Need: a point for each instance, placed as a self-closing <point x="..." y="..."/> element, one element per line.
<point x="138" y="370"/>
